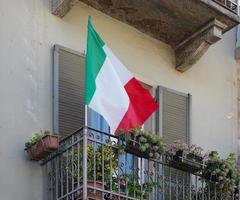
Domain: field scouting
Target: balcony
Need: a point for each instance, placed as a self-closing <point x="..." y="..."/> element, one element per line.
<point x="231" y="5"/>
<point x="91" y="165"/>
<point x="188" y="26"/>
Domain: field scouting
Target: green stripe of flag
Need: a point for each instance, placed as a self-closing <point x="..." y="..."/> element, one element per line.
<point x="94" y="60"/>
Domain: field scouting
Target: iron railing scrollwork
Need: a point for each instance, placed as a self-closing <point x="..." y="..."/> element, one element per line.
<point x="93" y="165"/>
<point x="231" y="5"/>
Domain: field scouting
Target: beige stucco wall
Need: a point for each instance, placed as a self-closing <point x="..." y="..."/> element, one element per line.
<point x="28" y="33"/>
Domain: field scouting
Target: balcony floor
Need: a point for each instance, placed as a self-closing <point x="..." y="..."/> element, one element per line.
<point x="170" y="21"/>
<point x="188" y="26"/>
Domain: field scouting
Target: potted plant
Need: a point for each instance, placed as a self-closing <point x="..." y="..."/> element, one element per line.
<point x="96" y="156"/>
<point x="223" y="174"/>
<point x="134" y="186"/>
<point x="190" y="159"/>
<point x="146" y="145"/>
<point x="41" y="145"/>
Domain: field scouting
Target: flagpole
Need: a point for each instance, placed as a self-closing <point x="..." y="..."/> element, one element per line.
<point x="85" y="142"/>
<point x="86" y="116"/>
<point x="85" y="155"/>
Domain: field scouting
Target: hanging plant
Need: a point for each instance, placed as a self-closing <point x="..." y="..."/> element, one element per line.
<point x="41" y="145"/>
<point x="179" y="155"/>
<point x="139" y="143"/>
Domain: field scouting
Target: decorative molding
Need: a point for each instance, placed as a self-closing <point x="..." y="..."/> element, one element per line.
<point x="192" y="49"/>
<point x="61" y="7"/>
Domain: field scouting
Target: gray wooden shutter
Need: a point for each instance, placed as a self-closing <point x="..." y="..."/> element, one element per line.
<point x="174" y="115"/>
<point x="69" y="76"/>
<point x="173" y="122"/>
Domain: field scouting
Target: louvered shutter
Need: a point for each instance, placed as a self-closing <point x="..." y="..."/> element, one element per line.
<point x="174" y="115"/>
<point x="69" y="73"/>
<point x="173" y="122"/>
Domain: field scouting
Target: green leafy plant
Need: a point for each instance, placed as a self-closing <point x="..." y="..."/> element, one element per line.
<point x="222" y="173"/>
<point x="36" y="138"/>
<point x="98" y="158"/>
<point x="150" y="145"/>
<point x="106" y="158"/>
<point x="134" y="186"/>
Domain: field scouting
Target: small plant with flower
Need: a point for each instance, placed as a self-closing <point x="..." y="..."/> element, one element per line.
<point x="134" y="186"/>
<point x="176" y="148"/>
<point x="197" y="153"/>
<point x="184" y="157"/>
<point x="182" y="149"/>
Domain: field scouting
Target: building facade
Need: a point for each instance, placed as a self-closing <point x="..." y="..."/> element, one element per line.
<point x="29" y="35"/>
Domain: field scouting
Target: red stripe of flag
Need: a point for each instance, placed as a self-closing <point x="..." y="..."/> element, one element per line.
<point x="141" y="106"/>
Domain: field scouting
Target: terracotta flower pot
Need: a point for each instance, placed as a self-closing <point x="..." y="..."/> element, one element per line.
<point x="115" y="197"/>
<point x="93" y="195"/>
<point x="41" y="149"/>
<point x="97" y="195"/>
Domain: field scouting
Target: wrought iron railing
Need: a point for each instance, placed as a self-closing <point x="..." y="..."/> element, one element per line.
<point x="231" y="5"/>
<point x="92" y="165"/>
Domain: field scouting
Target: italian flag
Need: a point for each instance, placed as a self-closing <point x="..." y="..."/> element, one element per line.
<point x="110" y="88"/>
